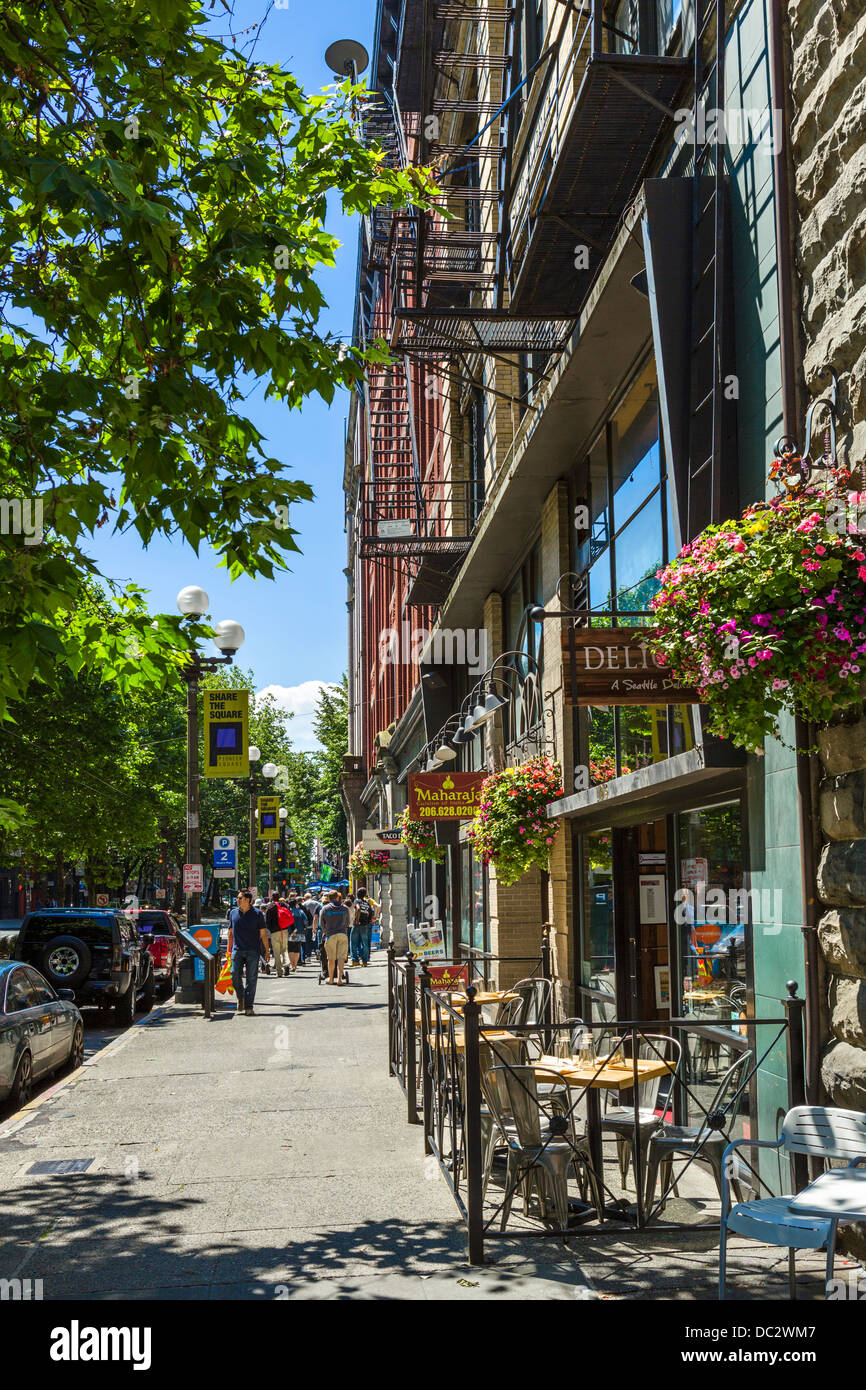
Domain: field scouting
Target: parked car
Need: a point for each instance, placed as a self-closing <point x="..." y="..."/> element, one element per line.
<point x="95" y="952"/>
<point x="159" y="932"/>
<point x="41" y="1030"/>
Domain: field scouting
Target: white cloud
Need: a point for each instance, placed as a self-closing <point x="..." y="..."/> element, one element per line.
<point x="299" y="700"/>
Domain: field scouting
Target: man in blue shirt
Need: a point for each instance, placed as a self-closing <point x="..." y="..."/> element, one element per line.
<point x="248" y="935"/>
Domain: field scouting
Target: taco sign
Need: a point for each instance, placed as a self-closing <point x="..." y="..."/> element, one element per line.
<point x="444" y="795"/>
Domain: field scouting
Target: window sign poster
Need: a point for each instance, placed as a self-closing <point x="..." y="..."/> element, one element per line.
<point x="426" y="940"/>
<point x="653" y="900"/>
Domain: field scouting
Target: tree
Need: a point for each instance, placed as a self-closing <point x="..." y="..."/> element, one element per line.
<point x="331" y="727"/>
<point x="162" y="223"/>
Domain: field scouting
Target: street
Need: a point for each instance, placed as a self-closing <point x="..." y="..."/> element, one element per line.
<point x="263" y="1157"/>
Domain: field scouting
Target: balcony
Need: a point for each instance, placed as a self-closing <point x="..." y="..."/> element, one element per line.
<point x="586" y="141"/>
<point x="427" y="522"/>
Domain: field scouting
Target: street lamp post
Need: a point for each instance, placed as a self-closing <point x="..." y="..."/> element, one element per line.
<point x="284" y="816"/>
<point x="193" y="603"/>
<point x="270" y="771"/>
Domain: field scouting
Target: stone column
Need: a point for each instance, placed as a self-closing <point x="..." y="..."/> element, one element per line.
<point x="842" y="928"/>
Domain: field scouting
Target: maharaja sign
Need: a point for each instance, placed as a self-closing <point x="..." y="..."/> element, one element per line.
<point x="616" y="666"/>
<point x="444" y="795"/>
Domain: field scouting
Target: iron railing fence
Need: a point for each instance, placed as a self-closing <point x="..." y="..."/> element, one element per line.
<point x="406" y="981"/>
<point x="472" y="1071"/>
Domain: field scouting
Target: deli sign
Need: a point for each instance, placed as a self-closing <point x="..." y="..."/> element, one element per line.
<point x="448" y="796"/>
<point x="616" y="666"/>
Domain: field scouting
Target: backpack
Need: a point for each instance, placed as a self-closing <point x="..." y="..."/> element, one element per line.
<point x="285" y="917"/>
<point x="365" y="913"/>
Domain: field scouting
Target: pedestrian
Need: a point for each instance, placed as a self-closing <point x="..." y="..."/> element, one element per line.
<point x="308" y="904"/>
<point x="298" y="930"/>
<point x="279" y="936"/>
<point x="248" y="936"/>
<point x="315" y="910"/>
<point x="362" y="930"/>
<point x="334" y="921"/>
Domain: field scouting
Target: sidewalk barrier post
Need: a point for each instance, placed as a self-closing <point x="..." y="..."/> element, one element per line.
<point x="390" y="1008"/>
<point x="411" y="1048"/>
<point x="472" y="1122"/>
<point x="794" y="1010"/>
<point x="547" y="974"/>
<point x="426" y="1071"/>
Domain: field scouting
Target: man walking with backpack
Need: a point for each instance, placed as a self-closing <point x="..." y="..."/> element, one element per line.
<point x="362" y="929"/>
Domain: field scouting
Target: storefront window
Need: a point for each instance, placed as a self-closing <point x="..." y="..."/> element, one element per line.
<point x="472" y="900"/>
<point x="711" y="914"/>
<point x="624" y="485"/>
<point x="597" y="956"/>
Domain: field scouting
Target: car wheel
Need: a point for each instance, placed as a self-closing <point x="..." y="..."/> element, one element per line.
<point x="171" y="986"/>
<point x="66" y="962"/>
<point x="145" y="1003"/>
<point x="124" y="1009"/>
<point x="22" y="1086"/>
<point x="76" y="1052"/>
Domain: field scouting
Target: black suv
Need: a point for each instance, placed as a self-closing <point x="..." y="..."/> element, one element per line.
<point x="97" y="953"/>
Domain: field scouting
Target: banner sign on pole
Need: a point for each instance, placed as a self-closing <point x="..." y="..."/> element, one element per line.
<point x="444" y="795"/>
<point x="226" y="733"/>
<point x="268" y="818"/>
<point x="193" y="878"/>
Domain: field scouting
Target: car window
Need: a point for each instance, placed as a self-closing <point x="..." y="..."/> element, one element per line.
<point x="20" y="993"/>
<point x="93" y="928"/>
<point x="44" y="993"/>
<point x="154" y="923"/>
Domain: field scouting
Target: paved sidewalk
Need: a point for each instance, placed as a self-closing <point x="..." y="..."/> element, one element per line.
<point x="247" y="1157"/>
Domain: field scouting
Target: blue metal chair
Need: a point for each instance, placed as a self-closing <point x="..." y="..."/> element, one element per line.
<point x="821" y="1132"/>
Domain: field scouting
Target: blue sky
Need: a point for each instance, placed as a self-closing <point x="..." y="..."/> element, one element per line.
<point x="296" y="625"/>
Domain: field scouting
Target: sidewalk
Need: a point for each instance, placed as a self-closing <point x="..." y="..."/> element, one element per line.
<point x="259" y="1157"/>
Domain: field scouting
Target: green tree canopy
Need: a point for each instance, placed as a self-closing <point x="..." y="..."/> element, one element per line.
<point x="162" y="225"/>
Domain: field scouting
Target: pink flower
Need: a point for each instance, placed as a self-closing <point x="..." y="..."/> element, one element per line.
<point x="779" y="685"/>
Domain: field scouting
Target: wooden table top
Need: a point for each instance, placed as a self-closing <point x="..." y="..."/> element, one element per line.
<point x="613" y="1076"/>
<point x="493" y="1035"/>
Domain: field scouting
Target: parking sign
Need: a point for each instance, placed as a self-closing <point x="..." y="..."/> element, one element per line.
<point x="225" y="848"/>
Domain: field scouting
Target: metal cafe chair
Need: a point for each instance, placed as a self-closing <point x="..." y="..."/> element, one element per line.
<point x="619" y="1120"/>
<point x="703" y="1143"/>
<point x="530" y="1155"/>
<point x="821" y="1132"/>
<point x="536" y="992"/>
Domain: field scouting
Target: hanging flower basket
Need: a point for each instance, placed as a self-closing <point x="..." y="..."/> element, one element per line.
<point x="768" y="614"/>
<point x="367" y="861"/>
<point x="511" y="831"/>
<point x="419" y="837"/>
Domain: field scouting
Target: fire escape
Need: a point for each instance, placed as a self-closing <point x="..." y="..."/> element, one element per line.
<point x="537" y="163"/>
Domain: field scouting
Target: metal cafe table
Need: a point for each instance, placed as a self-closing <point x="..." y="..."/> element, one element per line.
<point x="595" y="1077"/>
<point x="839" y="1194"/>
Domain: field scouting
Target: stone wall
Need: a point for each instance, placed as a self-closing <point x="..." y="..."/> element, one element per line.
<point x="828" y="106"/>
<point x="828" y="88"/>
<point x="842" y="927"/>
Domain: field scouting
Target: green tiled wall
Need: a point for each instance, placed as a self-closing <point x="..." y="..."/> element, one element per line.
<point x="774" y="847"/>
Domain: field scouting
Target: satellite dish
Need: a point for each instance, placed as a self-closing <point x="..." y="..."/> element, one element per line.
<point x="346" y="58"/>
